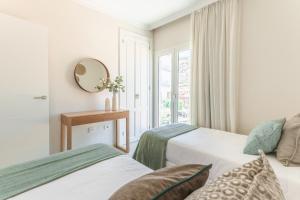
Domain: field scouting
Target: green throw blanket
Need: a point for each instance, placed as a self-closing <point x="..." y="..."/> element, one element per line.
<point x="23" y="177"/>
<point x="151" y="149"/>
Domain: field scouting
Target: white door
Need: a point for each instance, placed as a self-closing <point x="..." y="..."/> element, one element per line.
<point x="142" y="87"/>
<point x="127" y="68"/>
<point x="135" y="68"/>
<point x="24" y="106"/>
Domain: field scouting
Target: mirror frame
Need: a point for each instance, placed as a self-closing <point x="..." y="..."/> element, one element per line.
<point x="108" y="75"/>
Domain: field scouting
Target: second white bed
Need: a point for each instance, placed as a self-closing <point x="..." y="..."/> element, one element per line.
<point x="225" y="151"/>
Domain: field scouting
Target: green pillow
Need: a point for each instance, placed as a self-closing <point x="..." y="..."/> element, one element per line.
<point x="265" y="137"/>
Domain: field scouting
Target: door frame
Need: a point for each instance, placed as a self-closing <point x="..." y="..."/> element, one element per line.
<point x="174" y="51"/>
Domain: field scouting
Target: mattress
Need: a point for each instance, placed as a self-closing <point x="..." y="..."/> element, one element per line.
<point x="96" y="182"/>
<point x="225" y="151"/>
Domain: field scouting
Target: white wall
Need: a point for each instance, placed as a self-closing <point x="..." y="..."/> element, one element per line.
<point x="270" y="59"/>
<point x="75" y="32"/>
<point x="172" y="34"/>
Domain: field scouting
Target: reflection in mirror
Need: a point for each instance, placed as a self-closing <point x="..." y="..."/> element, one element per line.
<point x="89" y="73"/>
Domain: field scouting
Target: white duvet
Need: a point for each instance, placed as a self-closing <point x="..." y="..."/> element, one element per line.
<point x="225" y="151"/>
<point x="97" y="182"/>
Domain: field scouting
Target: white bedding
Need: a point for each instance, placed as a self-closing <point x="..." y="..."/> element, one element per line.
<point x="97" y="182"/>
<point x="225" y="151"/>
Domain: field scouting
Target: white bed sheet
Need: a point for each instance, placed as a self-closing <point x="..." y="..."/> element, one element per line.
<point x="225" y="151"/>
<point x="97" y="182"/>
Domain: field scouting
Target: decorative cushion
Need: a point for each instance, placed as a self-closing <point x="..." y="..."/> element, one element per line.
<point x="173" y="183"/>
<point x="265" y="137"/>
<point x="288" y="152"/>
<point x="253" y="181"/>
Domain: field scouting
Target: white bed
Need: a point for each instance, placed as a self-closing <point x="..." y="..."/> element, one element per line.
<point x="204" y="146"/>
<point x="97" y="182"/>
<point x="224" y="151"/>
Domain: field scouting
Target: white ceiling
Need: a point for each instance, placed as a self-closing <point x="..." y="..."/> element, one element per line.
<point x="147" y="14"/>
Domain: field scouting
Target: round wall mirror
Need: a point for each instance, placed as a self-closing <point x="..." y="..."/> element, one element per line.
<point x="89" y="73"/>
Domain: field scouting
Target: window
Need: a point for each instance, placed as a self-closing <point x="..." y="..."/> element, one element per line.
<point x="165" y="89"/>
<point x="184" y="86"/>
<point x="174" y="83"/>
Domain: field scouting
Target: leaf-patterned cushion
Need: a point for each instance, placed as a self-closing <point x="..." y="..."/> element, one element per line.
<point x="253" y="181"/>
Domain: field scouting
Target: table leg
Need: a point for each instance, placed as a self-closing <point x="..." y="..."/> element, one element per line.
<point x="117" y="134"/>
<point x="62" y="137"/>
<point x="69" y="137"/>
<point x="127" y="135"/>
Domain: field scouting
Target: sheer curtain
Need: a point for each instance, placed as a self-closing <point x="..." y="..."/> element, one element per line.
<point x="215" y="41"/>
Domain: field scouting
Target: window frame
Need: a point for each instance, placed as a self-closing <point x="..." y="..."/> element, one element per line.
<point x="174" y="51"/>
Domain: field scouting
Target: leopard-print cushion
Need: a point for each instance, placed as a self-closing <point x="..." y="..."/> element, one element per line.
<point x="253" y="181"/>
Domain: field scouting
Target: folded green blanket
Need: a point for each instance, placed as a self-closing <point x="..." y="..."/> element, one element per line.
<point x="151" y="149"/>
<point x="23" y="177"/>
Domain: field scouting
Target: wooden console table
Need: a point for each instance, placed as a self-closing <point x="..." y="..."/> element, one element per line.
<point x="79" y="118"/>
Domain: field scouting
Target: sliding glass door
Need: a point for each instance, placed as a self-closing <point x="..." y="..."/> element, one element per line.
<point x="173" y="91"/>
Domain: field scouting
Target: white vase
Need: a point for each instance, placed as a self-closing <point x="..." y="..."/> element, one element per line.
<point x="107" y="104"/>
<point x="114" y="101"/>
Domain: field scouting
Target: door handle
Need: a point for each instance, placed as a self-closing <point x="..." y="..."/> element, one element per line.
<point x="175" y="96"/>
<point x="41" y="97"/>
<point x="137" y="96"/>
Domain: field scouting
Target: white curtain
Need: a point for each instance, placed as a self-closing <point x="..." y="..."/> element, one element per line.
<point x="215" y="41"/>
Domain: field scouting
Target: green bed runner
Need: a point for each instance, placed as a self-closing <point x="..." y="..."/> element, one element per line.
<point x="151" y="149"/>
<point x="23" y="177"/>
